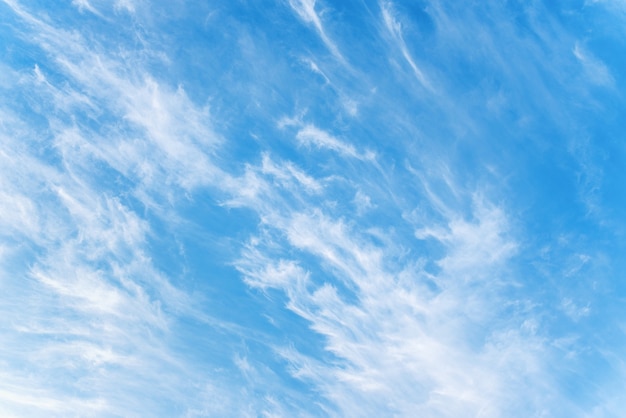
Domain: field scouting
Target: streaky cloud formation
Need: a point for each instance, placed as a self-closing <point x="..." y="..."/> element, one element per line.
<point x="305" y="9"/>
<point x="312" y="208"/>
<point x="395" y="29"/>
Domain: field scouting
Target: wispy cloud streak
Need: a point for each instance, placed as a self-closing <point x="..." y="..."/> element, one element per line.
<point x="395" y="30"/>
<point x="306" y="11"/>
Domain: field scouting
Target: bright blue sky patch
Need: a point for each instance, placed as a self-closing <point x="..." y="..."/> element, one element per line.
<point x="312" y="208"/>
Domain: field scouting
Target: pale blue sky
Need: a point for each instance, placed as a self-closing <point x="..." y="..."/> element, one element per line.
<point x="312" y="208"/>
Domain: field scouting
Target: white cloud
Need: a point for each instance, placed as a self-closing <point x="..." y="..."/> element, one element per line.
<point x="595" y="70"/>
<point x="84" y="5"/>
<point x="306" y="11"/>
<point x="363" y="202"/>
<point x="395" y="29"/>
<point x="406" y="340"/>
<point x="402" y="349"/>
<point x="310" y="135"/>
<point x="287" y="172"/>
<point x="128" y="5"/>
<point x="473" y="245"/>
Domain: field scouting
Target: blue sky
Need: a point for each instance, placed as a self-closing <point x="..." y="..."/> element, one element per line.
<point x="312" y="208"/>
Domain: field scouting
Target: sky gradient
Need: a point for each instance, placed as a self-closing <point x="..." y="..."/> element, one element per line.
<point x="301" y="208"/>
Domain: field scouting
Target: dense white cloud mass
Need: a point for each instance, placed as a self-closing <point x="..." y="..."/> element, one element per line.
<point x="312" y="208"/>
